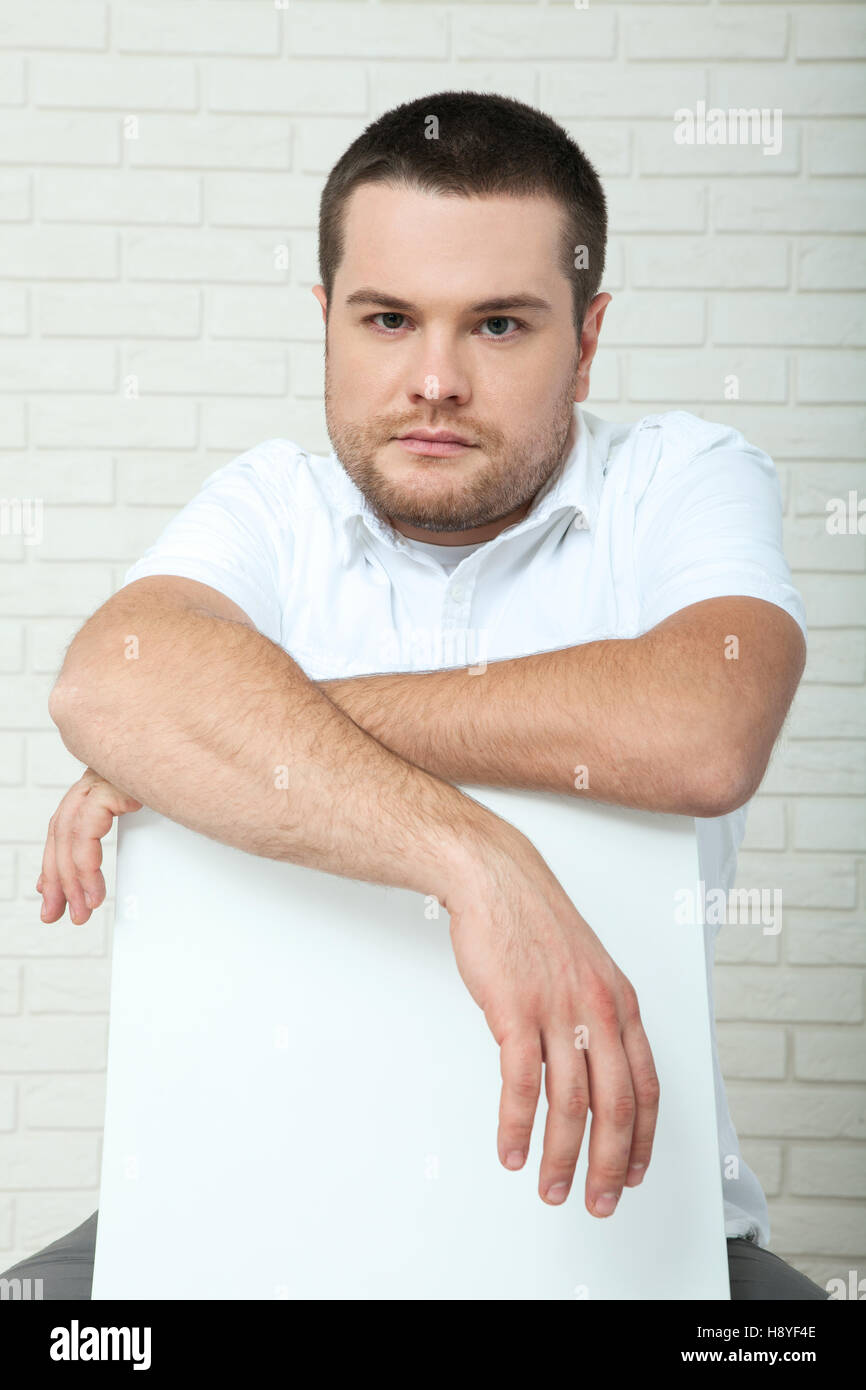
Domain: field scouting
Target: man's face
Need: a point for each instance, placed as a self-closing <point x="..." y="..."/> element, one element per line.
<point x="422" y="334"/>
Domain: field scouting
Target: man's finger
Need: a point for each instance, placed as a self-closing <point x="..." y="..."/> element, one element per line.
<point x="646" y="1093"/>
<point x="613" y="1113"/>
<point x="567" y="1089"/>
<point x="520" y="1066"/>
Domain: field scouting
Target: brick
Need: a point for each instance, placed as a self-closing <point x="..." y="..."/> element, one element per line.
<point x="751" y="1053"/>
<point x="658" y="153"/>
<point x="12" y="82"/>
<point x="638" y="321"/>
<point x="836" y="823"/>
<point x="607" y="144"/>
<point x="11" y="760"/>
<point x="798" y="1111"/>
<point x="232" y="424"/>
<point x="208" y="370"/>
<point x="809" y="432"/>
<point x="221" y="256"/>
<point x="835" y="147"/>
<point x="53" y="25"/>
<point x="25" y="706"/>
<point x="817" y="939"/>
<point x="118" y="534"/>
<point x="14" y="310"/>
<point x="230" y="27"/>
<point x="833" y="600"/>
<point x="697" y="263"/>
<point x="659" y="205"/>
<point x="779" y="320"/>
<point x="39" y="366"/>
<point x="121" y="197"/>
<point x="73" y="477"/>
<point x="829" y="377"/>
<point x="322" y="139"/>
<point x="32" y="590"/>
<point x="818" y="1228"/>
<point x="8" y="1105"/>
<point x="214" y="142"/>
<point x="8" y="874"/>
<point x="63" y="1102"/>
<point x="174" y="478"/>
<point x="264" y="314"/>
<point x="569" y="89"/>
<point x="26" y="935"/>
<point x="829" y="31"/>
<point x="67" y="1044"/>
<point x="810" y="546"/>
<point x="49" y="253"/>
<point x="819" y="766"/>
<point x="392" y="83"/>
<point x="261" y="200"/>
<point x="10" y="988"/>
<point x="16" y="204"/>
<point x="66" y="137"/>
<point x="824" y="1170"/>
<point x="765" y="828"/>
<point x="820" y="710"/>
<point x="830" y="1054"/>
<point x="49" y="763"/>
<point x="120" y="311"/>
<point x="837" y="658"/>
<point x="115" y="83"/>
<point x="6" y="1214"/>
<point x="501" y="33"/>
<point x="830" y="264"/>
<point x="237" y="84"/>
<point x="825" y="89"/>
<point x="11" y="646"/>
<point x="805" y="880"/>
<point x="68" y="987"/>
<point x="34" y="1161"/>
<point x="752" y="993"/>
<point x="44" y="1218"/>
<point x="741" y="944"/>
<point x="717" y="35"/>
<point x="832" y="206"/>
<point x="323" y="30"/>
<point x="681" y="377"/>
<point x="107" y="422"/>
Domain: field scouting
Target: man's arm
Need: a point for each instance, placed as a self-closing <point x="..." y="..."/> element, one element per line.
<point x="171" y="693"/>
<point x="680" y="719"/>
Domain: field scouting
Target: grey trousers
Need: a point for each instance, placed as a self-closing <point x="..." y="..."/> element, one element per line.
<point x="66" y="1269"/>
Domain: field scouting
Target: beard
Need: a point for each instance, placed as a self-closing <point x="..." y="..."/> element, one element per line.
<point x="458" y="493"/>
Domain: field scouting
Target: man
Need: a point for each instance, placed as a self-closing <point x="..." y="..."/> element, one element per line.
<point x="599" y="578"/>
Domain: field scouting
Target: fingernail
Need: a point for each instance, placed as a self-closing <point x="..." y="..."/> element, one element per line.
<point x="558" y="1192"/>
<point x="514" y="1159"/>
<point x="605" y="1204"/>
<point x="44" y="913"/>
<point x="87" y="900"/>
<point x="636" y="1170"/>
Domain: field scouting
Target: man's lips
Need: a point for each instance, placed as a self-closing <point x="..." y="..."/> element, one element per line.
<point x="442" y="445"/>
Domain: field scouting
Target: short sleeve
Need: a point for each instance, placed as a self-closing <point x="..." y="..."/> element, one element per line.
<point x="233" y="535"/>
<point x="709" y="524"/>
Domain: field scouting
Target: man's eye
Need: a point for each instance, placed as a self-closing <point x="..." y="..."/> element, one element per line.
<point x="499" y="322"/>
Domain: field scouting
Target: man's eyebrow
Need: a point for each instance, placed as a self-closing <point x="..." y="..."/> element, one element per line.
<point x="519" y="300"/>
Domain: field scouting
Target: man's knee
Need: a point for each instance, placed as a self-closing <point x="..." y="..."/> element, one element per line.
<point x="758" y="1274"/>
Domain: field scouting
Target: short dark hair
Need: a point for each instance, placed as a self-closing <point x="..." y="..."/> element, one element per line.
<point x="486" y="145"/>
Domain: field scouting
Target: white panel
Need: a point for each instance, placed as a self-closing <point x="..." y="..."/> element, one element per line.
<point x="303" y="1097"/>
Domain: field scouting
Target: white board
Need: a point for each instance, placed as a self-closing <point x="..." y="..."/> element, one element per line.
<point x="302" y="1096"/>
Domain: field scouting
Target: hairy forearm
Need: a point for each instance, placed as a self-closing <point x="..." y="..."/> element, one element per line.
<point x="216" y="727"/>
<point x="663" y="722"/>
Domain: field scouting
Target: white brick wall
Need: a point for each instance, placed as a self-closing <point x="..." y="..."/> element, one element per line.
<point x="152" y="157"/>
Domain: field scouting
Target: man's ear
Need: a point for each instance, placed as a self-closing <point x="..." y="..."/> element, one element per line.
<point x="319" y="292"/>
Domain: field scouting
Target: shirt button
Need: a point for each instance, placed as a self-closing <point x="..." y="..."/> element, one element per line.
<point x="457" y="592"/>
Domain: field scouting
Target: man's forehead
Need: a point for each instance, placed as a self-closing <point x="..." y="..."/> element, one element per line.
<point x="487" y="246"/>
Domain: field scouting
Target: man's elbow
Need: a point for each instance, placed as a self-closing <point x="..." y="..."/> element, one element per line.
<point x="724" y="785"/>
<point x="64" y="708"/>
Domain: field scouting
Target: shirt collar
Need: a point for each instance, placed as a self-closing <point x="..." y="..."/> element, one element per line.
<point x="574" y="488"/>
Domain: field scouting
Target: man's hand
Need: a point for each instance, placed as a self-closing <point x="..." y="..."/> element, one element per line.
<point x="551" y="993"/>
<point x="73" y="849"/>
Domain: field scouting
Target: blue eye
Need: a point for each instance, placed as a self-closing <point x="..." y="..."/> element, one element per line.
<point x="498" y="318"/>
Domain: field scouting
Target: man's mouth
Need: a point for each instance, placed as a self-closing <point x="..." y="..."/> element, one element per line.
<point x="441" y="443"/>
